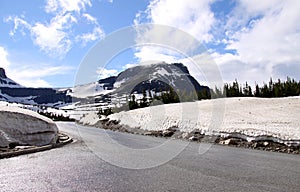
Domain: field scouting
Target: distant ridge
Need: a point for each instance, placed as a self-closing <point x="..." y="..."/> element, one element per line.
<point x="2" y="73"/>
<point x="7" y="82"/>
<point x="11" y="91"/>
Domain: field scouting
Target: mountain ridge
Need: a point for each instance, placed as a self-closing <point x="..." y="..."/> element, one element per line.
<point x="7" y="82"/>
<point x="157" y="78"/>
<point x="11" y="91"/>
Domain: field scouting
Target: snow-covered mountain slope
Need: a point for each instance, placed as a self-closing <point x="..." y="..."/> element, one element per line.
<point x="157" y="77"/>
<point x="276" y="117"/>
<point x="11" y="91"/>
<point x="89" y="90"/>
<point x="109" y="92"/>
<point x="153" y="78"/>
<point x="7" y="82"/>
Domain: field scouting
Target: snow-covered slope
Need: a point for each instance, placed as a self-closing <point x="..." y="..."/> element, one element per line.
<point x="24" y="127"/>
<point x="277" y="117"/>
<point x="89" y="90"/>
<point x="7" y="82"/>
<point x="11" y="91"/>
<point x="157" y="77"/>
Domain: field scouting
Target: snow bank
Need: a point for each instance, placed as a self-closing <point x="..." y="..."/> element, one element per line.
<point x="89" y="119"/>
<point x="88" y="90"/>
<point x="276" y="117"/>
<point x="25" y="127"/>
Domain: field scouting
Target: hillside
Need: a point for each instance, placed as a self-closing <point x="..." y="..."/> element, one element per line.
<point x="150" y="80"/>
<point x="7" y="82"/>
<point x="253" y="117"/>
<point x="11" y="91"/>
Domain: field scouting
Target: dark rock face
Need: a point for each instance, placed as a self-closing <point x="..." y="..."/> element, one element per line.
<point x="27" y="95"/>
<point x="39" y="95"/>
<point x="2" y="73"/>
<point x="158" y="77"/>
<point x="108" y="82"/>
<point x="4" y="81"/>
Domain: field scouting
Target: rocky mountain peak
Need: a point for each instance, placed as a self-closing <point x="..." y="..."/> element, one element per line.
<point x="157" y="78"/>
<point x="2" y="73"/>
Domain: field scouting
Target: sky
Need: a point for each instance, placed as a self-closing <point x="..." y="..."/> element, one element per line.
<point x="44" y="43"/>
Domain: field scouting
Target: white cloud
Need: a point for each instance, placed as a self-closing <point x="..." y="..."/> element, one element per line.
<point x="97" y="33"/>
<point x="90" y="18"/>
<point x="4" y="63"/>
<point x="30" y="75"/>
<point x="63" y="6"/>
<point x="104" y="73"/>
<point x="129" y="65"/>
<point x="192" y="16"/>
<point x="268" y="35"/>
<point x="271" y="39"/>
<point x="190" y="23"/>
<point x="35" y="83"/>
<point x="262" y="38"/>
<point x="53" y="38"/>
<point x="259" y="7"/>
<point x="19" y="24"/>
<point x="232" y="67"/>
<point x="155" y="54"/>
<point x="56" y="37"/>
<point x="42" y="71"/>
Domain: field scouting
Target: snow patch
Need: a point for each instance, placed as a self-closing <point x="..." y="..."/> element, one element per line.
<point x="25" y="127"/>
<point x="7" y="82"/>
<point x="89" y="119"/>
<point x="88" y="90"/>
<point x="276" y="117"/>
<point x="118" y="84"/>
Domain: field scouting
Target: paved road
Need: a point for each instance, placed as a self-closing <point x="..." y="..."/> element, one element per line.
<point x="75" y="167"/>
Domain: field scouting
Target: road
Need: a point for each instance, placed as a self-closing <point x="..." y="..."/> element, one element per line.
<point x="77" y="167"/>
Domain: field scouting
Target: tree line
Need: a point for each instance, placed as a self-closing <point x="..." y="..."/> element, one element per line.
<point x="166" y="97"/>
<point x="280" y="88"/>
<point x="55" y="117"/>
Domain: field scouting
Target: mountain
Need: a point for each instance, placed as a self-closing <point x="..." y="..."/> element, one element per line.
<point x="11" y="91"/>
<point x="6" y="82"/>
<point x="155" y="79"/>
<point x="152" y="79"/>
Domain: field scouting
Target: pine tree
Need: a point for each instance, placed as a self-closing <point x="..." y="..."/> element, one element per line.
<point x="132" y="103"/>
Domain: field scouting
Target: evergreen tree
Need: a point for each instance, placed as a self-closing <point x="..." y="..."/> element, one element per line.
<point x="144" y="102"/>
<point x="247" y="91"/>
<point x="257" y="91"/>
<point x="132" y="103"/>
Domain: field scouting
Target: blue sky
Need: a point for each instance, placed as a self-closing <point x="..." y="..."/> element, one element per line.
<point x="42" y="43"/>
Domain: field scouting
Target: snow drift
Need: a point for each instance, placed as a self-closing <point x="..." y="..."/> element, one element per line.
<point x="275" y="117"/>
<point x="24" y="127"/>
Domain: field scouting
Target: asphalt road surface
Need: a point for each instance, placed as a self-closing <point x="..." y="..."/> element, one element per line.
<point x="79" y="167"/>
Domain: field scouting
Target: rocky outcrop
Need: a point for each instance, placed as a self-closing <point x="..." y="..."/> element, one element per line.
<point x="2" y="73"/>
<point x="5" y="81"/>
<point x="23" y="127"/>
<point x="37" y="95"/>
<point x="157" y="77"/>
<point x="11" y="91"/>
